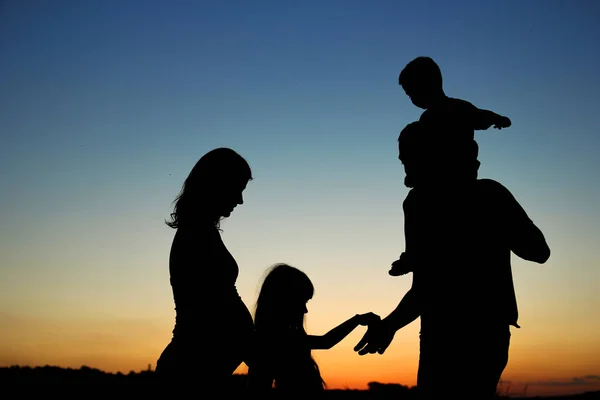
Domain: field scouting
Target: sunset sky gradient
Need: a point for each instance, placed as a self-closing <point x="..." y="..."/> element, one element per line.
<point x="105" y="106"/>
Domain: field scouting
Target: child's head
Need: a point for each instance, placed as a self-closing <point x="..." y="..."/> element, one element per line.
<point x="282" y="299"/>
<point x="421" y="80"/>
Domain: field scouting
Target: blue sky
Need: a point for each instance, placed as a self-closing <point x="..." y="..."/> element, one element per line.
<point x="105" y="106"/>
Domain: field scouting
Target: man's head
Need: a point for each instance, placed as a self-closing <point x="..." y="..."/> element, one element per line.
<point x="421" y="80"/>
<point x="409" y="152"/>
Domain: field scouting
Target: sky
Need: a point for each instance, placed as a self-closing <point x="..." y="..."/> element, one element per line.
<point x="105" y="106"/>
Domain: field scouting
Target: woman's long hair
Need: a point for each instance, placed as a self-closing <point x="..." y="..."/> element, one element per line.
<point x="279" y="321"/>
<point x="212" y="173"/>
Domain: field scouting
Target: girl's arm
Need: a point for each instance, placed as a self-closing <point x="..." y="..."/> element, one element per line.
<point x="334" y="336"/>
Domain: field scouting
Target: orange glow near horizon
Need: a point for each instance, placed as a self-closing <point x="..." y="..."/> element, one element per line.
<point x="544" y="368"/>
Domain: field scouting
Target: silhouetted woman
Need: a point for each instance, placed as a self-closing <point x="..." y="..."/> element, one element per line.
<point x="213" y="327"/>
<point x="283" y="357"/>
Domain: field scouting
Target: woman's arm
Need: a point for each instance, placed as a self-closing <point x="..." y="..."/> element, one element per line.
<point x="334" y="336"/>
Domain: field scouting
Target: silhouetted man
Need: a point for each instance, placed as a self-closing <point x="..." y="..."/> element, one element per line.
<point x="461" y="240"/>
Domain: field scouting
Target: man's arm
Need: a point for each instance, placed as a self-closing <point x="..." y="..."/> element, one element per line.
<point x="406" y="312"/>
<point x="525" y="239"/>
<point x="405" y="263"/>
<point x="379" y="336"/>
<point x="531" y="244"/>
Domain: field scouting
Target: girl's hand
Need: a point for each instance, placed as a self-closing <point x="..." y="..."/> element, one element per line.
<point x="368" y="319"/>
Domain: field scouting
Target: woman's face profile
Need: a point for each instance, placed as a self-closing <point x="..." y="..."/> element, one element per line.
<point x="229" y="196"/>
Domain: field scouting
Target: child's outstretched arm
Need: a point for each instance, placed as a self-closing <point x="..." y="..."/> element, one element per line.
<point x="484" y="119"/>
<point x="334" y="336"/>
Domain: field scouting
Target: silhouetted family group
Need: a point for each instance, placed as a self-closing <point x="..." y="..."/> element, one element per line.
<point x="459" y="233"/>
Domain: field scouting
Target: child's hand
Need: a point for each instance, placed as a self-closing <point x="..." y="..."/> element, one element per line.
<point x="503" y="122"/>
<point x="368" y="319"/>
<point x="402" y="266"/>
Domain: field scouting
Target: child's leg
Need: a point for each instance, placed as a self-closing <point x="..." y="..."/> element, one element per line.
<point x="402" y="266"/>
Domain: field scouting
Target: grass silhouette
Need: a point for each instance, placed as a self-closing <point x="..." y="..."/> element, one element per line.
<point x="49" y="379"/>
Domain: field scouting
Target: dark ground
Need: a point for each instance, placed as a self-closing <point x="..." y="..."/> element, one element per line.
<point x="85" y="381"/>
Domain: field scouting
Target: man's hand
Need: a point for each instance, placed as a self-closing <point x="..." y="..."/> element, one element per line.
<point x="368" y="319"/>
<point x="503" y="122"/>
<point x="376" y="340"/>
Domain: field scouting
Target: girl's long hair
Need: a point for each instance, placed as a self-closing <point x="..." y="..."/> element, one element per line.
<point x="279" y="322"/>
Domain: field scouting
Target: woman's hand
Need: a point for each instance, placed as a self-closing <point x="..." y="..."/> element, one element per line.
<point x="368" y="319"/>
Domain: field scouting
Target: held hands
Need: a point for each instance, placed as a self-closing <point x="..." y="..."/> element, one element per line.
<point x="503" y="122"/>
<point x="368" y="319"/>
<point x="376" y="340"/>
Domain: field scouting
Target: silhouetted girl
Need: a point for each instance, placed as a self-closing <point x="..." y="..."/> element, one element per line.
<point x="213" y="328"/>
<point x="283" y="357"/>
